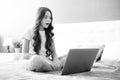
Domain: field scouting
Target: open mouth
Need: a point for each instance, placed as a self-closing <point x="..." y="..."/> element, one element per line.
<point x="47" y="23"/>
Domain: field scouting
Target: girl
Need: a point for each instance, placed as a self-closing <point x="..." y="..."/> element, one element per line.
<point x="38" y="44"/>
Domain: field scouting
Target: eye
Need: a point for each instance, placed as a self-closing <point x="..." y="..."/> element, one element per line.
<point x="45" y="17"/>
<point x="50" y="17"/>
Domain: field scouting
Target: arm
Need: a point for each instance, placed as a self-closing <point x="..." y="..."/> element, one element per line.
<point x="25" y="49"/>
<point x="55" y="57"/>
<point x="57" y="63"/>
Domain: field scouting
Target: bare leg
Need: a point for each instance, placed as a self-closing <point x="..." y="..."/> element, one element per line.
<point x="39" y="63"/>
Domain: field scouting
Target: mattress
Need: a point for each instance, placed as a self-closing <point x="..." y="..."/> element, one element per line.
<point x="12" y="68"/>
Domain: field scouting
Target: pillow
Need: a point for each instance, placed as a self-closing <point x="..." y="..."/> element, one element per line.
<point x="91" y="45"/>
<point x="112" y="51"/>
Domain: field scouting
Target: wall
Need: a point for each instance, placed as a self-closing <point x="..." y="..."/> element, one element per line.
<point x="69" y="11"/>
<point x="16" y="15"/>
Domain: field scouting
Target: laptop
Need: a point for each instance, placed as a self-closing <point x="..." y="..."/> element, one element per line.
<point x="80" y="60"/>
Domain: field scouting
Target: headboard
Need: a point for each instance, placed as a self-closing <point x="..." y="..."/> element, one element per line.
<point x="94" y="33"/>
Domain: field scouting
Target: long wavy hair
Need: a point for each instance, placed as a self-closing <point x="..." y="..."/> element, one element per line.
<point x="48" y="32"/>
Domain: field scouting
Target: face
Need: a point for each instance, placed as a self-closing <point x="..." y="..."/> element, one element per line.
<point x="46" y="20"/>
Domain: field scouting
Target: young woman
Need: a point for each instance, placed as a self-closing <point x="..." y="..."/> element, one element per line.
<point x="38" y="44"/>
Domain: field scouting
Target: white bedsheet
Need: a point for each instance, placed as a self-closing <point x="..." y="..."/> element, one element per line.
<point x="15" y="70"/>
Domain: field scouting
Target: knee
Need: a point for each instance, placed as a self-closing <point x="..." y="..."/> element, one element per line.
<point x="35" y="58"/>
<point x="35" y="63"/>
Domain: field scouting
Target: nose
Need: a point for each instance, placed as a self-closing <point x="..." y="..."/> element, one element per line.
<point x="49" y="20"/>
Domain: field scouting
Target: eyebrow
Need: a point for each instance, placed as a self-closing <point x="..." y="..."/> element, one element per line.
<point x="48" y="16"/>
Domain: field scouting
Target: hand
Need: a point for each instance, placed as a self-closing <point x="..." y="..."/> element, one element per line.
<point x="57" y="65"/>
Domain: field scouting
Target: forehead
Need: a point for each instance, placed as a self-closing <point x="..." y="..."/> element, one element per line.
<point x="47" y="13"/>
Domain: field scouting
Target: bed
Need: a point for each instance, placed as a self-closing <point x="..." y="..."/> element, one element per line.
<point x="12" y="67"/>
<point x="77" y="35"/>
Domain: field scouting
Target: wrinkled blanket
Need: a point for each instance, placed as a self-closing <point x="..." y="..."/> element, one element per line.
<point x="16" y="70"/>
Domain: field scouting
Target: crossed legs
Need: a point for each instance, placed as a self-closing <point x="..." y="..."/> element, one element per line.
<point x="43" y="64"/>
